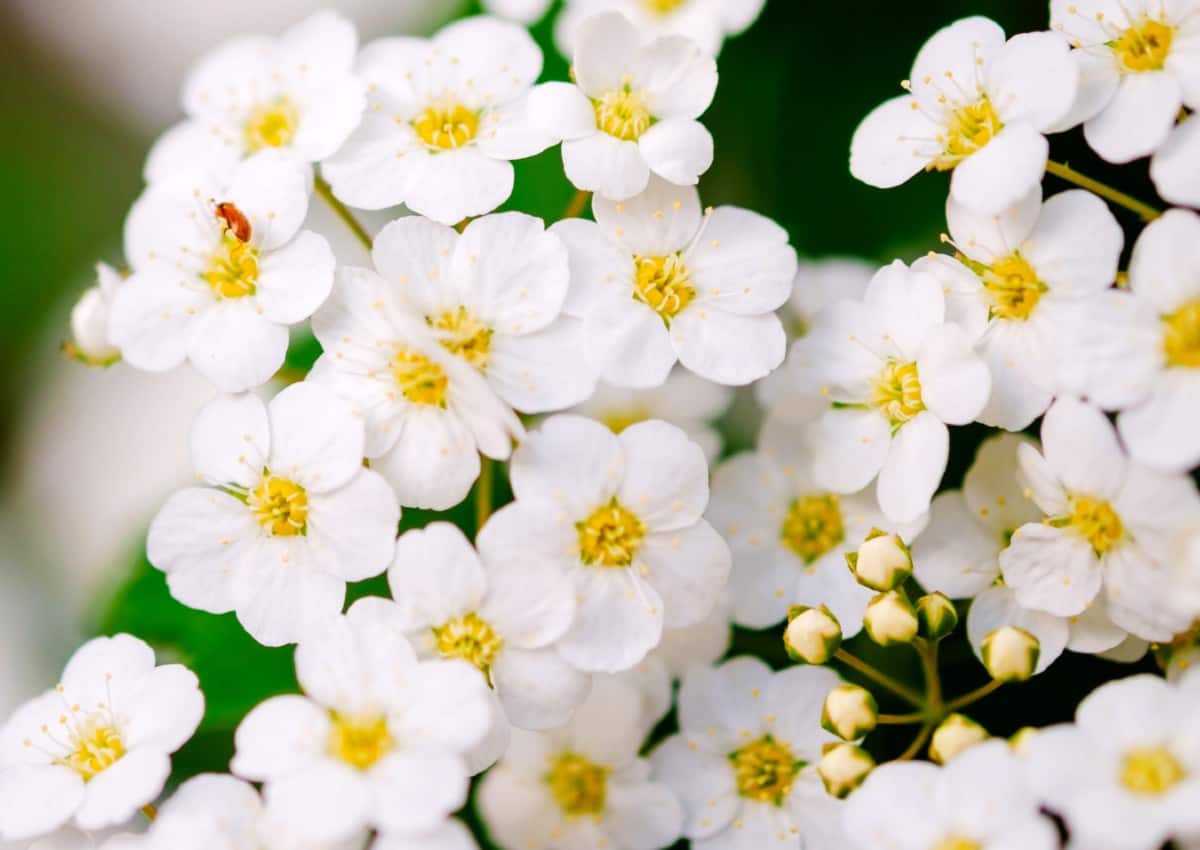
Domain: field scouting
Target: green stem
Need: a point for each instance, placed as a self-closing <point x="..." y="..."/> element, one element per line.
<point x="880" y="678"/>
<point x="578" y="202"/>
<point x="918" y="742"/>
<point x="974" y="696"/>
<point x="323" y="189"/>
<point x="483" y="492"/>
<point x="928" y="651"/>
<point x="1144" y="211"/>
<point x="903" y="719"/>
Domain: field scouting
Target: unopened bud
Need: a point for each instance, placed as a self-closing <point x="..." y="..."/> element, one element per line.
<point x="937" y="616"/>
<point x="1021" y="738"/>
<point x="90" y="343"/>
<point x="849" y="712"/>
<point x="1010" y="654"/>
<point x="813" y="635"/>
<point x="954" y="735"/>
<point x="891" y="619"/>
<point x="843" y="768"/>
<point x="882" y="562"/>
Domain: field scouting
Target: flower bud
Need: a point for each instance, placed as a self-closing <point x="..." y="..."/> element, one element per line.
<point x="849" y="712"/>
<point x="1021" y="738"/>
<point x="1010" y="654"/>
<point x="843" y="768"/>
<point x="882" y="562"/>
<point x="953" y="735"/>
<point x="936" y="615"/>
<point x="813" y="635"/>
<point x="89" y="321"/>
<point x="891" y="619"/>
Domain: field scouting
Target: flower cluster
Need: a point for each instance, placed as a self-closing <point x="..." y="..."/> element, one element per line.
<point x="585" y="361"/>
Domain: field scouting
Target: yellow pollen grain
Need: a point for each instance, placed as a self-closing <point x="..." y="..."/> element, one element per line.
<point x="463" y="335"/>
<point x="578" y="785"/>
<point x="1012" y="286"/>
<point x="663" y="284"/>
<point x="96" y="746"/>
<point x="271" y="124"/>
<point x="360" y="741"/>
<point x="813" y="525"/>
<point x="764" y="770"/>
<point x="956" y="842"/>
<point x="1151" y="772"/>
<point x="622" y="113"/>
<point x="1144" y="47"/>
<point x="968" y="129"/>
<point x="232" y="270"/>
<point x="469" y="637"/>
<point x="421" y="381"/>
<point x="1181" y="336"/>
<point x="1096" y="521"/>
<point x="280" y="506"/>
<point x="446" y="125"/>
<point x="610" y="536"/>
<point x="896" y="392"/>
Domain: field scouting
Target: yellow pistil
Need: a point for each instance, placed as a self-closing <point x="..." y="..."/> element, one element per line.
<point x="1151" y="771"/>
<point x="97" y="746"/>
<point x="464" y="335"/>
<point x="663" y="284"/>
<point x="1181" y="336"/>
<point x="233" y="268"/>
<point x="610" y="536"/>
<point x="813" y="525"/>
<point x="421" y="380"/>
<point x="446" y="125"/>
<point x="1097" y="522"/>
<point x="578" y="785"/>
<point x="623" y="113"/>
<point x="280" y="505"/>
<point x="764" y="770"/>
<point x="1144" y="47"/>
<point x="271" y="125"/>
<point x="1013" y="286"/>
<point x="896" y="391"/>
<point x="469" y="637"/>
<point x="969" y="129"/>
<point x="955" y="842"/>
<point x="618" y="420"/>
<point x="360" y="741"/>
<point x="662" y="7"/>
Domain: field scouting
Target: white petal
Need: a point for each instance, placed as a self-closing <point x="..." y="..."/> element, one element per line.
<point x="571" y="460"/>
<point x="325" y="802"/>
<point x="718" y="703"/>
<point x="153" y="319"/>
<point x="434" y="460"/>
<point x="643" y="815"/>
<point x="1136" y="595"/>
<point x="542" y="371"/>
<point x="167" y="710"/>
<point x="498" y="58"/>
<point x="661" y="220"/>
<point x="279" y="738"/>
<point x="1161" y="431"/>
<point x="606" y="48"/>
<point x="596" y="262"/>
<point x="115" y="794"/>
<point x="727" y="348"/>
<point x="688" y="567"/>
<point x="1166" y="260"/>
<point x="908" y="305"/>
<point x="956" y="51"/>
<point x="295" y="280"/>
<point x="997" y="607"/>
<point x="993" y="488"/>
<point x="743" y="264"/>
<point x="353" y="529"/>
<point x="1093" y="631"/>
<point x="414" y="793"/>
<point x="562" y="110"/>
<point x="828" y="582"/>
<point x="849" y="448"/>
<point x="315" y="438"/>
<point x="666" y="476"/>
<point x="456" y="184"/>
<point x="530" y="600"/>
<point x="678" y="150"/>
<point x="1033" y="79"/>
<point x="447" y="708"/>
<point x="435" y="576"/>
<point x="627" y="342"/>
<point x="235" y="347"/>
<point x="37" y="799"/>
<point x="1051" y="569"/>
<point x="279" y="595"/>
<point x="990" y="237"/>
<point x="1099" y="76"/>
<point x="452" y="835"/>
<point x="955" y="554"/>
<point x="1017" y="359"/>
<point x="272" y="192"/>
<point x="1175" y="168"/>
<point x="1138" y="119"/>
<point x="679" y="76"/>
<point x="230" y="440"/>
<point x="1076" y="245"/>
<point x="1002" y="171"/>
<point x="618" y="621"/>
<point x="107" y="670"/>
<point x="702" y="781"/>
<point x="377" y="163"/>
<point x="955" y="383"/>
<point x="892" y="143"/>
<point x="1081" y="447"/>
<point x="537" y="688"/>
<point x="795" y="698"/>
<point x="914" y="467"/>
<point x="608" y="166"/>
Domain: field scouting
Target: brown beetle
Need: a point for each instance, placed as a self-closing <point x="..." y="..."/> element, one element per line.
<point x="235" y="221"/>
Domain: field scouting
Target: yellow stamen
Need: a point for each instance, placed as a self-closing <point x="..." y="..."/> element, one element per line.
<point x="813" y="525"/>
<point x="610" y="536"/>
<point x="896" y="391"/>
<point x="469" y="637"/>
<point x="464" y="335"/>
<point x="446" y="125"/>
<point x="421" y="380"/>
<point x="969" y="129"/>
<point x="663" y="284"/>
<point x="764" y="770"/>
<point x="1151" y="771"/>
<point x="280" y="505"/>
<point x="232" y="268"/>
<point x="97" y="744"/>
<point x="271" y="125"/>
<point x="1144" y="47"/>
<point x="1013" y="285"/>
<point x="955" y="842"/>
<point x="623" y="113"/>
<point x="1097" y="522"/>
<point x="618" y="420"/>
<point x="578" y="785"/>
<point x="1181" y="336"/>
<point x="360" y="741"/>
<point x="662" y="7"/>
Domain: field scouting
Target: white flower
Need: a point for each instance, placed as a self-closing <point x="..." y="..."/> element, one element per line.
<point x="706" y="22"/>
<point x="295" y="93"/>
<point x="700" y="644"/>
<point x="378" y="740"/>
<point x="582" y="786"/>
<point x="90" y="343"/>
<point x="97" y="747"/>
<point x="445" y="117"/>
<point x="288" y="518"/>
<point x="656" y="281"/>
<point x="501" y="615"/>
<point x="979" y="801"/>
<point x="1016" y="286"/>
<point x="790" y="536"/>
<point x="621" y="515"/>
<point x="217" y="810"/>
<point x="978" y="105"/>
<point x="897" y="374"/>
<point x="1126" y="774"/>
<point x="221" y="269"/>
<point x="744" y="761"/>
<point x="1139" y="351"/>
<point x="632" y="109"/>
<point x="522" y="11"/>
<point x="1175" y="167"/>
<point x="1107" y="529"/>
<point x="1140" y="62"/>
<point x="683" y="399"/>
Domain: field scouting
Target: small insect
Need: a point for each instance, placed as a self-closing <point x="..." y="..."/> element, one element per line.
<point x="235" y="221"/>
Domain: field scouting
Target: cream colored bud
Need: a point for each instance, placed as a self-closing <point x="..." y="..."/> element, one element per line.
<point x="954" y="735"/>
<point x="849" y="712"/>
<point x="1021" y="738"/>
<point x="843" y="768"/>
<point x="90" y="343"/>
<point x="813" y="635"/>
<point x="937" y="616"/>
<point x="891" y="619"/>
<point x="882" y="562"/>
<point x="1010" y="654"/>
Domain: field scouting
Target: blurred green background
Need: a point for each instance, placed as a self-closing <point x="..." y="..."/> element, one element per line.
<point x="791" y="92"/>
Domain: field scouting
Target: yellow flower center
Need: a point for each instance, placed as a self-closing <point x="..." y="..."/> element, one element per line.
<point x="618" y="420"/>
<point x="955" y="842"/>
<point x="1144" y="47"/>
<point x="1013" y="286"/>
<point x="1181" y="336"/>
<point x="1097" y="522"/>
<point x="446" y="125"/>
<point x="271" y="125"/>
<point x="623" y="113"/>
<point x="662" y="7"/>
<point x="464" y="335"/>
<point x="610" y="536"/>
<point x="969" y="129"/>
<point x="360" y="741"/>
<point x="764" y="770"/>
<point x="896" y="391"/>
<point x="1151" y="771"/>
<point x="578" y="785"/>
<point x="663" y="284"/>
<point x="97" y="746"/>
<point x="469" y="637"/>
<point x="421" y="380"/>
<point x="232" y="268"/>
<point x="280" y="505"/>
<point x="813" y="525"/>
